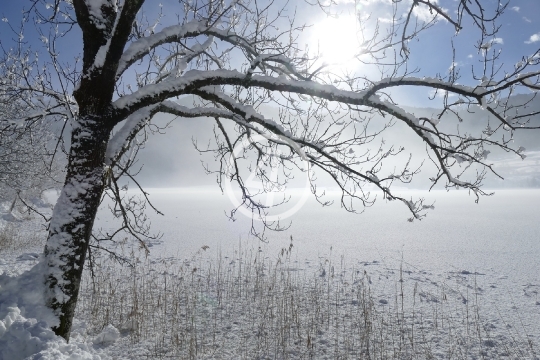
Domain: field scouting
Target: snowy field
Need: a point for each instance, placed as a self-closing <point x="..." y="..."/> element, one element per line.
<point x="462" y="284"/>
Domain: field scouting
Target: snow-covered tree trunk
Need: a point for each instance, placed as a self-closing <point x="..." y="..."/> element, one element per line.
<point x="105" y="29"/>
<point x="73" y="218"/>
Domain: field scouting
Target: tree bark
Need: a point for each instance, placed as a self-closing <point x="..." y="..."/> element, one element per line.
<point x="76" y="208"/>
<point x="73" y="218"/>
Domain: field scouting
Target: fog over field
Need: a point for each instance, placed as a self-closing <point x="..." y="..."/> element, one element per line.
<point x="171" y="161"/>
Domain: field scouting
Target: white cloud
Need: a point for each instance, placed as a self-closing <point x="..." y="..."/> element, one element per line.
<point x="534" y="38"/>
<point x="470" y="56"/>
<point x="370" y="2"/>
<point x="487" y="45"/>
<point x="454" y="65"/>
<point x="385" y="20"/>
<point x="424" y="14"/>
<point x="364" y="3"/>
<point x="527" y="19"/>
<point x="515" y="8"/>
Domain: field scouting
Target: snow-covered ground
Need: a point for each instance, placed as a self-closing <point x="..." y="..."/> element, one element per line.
<point x="451" y="296"/>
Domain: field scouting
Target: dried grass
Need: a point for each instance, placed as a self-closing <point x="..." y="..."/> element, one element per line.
<point x="249" y="306"/>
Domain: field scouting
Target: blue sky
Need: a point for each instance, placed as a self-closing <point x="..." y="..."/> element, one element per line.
<point x="519" y="34"/>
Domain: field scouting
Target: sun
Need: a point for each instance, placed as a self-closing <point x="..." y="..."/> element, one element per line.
<point x="337" y="39"/>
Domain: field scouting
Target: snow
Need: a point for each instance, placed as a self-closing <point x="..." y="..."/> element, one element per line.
<point x="199" y="48"/>
<point x="295" y="146"/>
<point x="119" y="139"/>
<point x="142" y="46"/>
<point x="25" y="321"/>
<point x="21" y="304"/>
<point x="94" y="10"/>
<point x="26" y="292"/>
<point x="222" y="76"/>
<point x="193" y="79"/>
<point x="108" y="336"/>
<point x="488" y="83"/>
<point x="23" y="338"/>
<point x="101" y="55"/>
<point x="68" y="207"/>
<point x="502" y="288"/>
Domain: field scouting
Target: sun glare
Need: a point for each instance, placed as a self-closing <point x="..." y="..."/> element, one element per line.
<point x="336" y="39"/>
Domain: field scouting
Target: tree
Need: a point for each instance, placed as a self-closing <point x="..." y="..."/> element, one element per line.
<point x="235" y="57"/>
<point x="27" y="167"/>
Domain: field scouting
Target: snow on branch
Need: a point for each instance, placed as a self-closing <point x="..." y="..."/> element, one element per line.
<point x="120" y="141"/>
<point x="203" y="83"/>
<point x="141" y="47"/>
<point x="195" y="79"/>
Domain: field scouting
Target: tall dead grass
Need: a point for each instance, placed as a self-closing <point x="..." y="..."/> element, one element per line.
<point x="248" y="305"/>
<point x="13" y="239"/>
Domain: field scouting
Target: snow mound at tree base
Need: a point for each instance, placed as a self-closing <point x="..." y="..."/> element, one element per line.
<point x="25" y="331"/>
<point x="22" y="338"/>
<point x="27" y="293"/>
